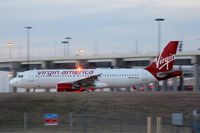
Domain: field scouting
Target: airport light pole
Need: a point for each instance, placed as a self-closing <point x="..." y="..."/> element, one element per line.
<point x="10" y="49"/>
<point x="181" y="86"/>
<point x="64" y="51"/>
<point x="68" y="47"/>
<point x="9" y="77"/>
<point x="28" y="45"/>
<point x="159" y="20"/>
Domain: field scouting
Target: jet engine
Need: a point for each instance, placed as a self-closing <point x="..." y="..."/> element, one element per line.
<point x="64" y="87"/>
<point x="99" y="85"/>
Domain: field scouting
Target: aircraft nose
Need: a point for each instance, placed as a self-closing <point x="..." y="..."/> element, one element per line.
<point x="13" y="82"/>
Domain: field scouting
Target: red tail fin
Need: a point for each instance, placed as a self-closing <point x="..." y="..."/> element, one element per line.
<point x="165" y="61"/>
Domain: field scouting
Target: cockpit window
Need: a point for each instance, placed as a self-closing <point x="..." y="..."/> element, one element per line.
<point x="20" y="76"/>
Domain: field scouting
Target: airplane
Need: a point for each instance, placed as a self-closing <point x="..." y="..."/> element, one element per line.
<point x="76" y="80"/>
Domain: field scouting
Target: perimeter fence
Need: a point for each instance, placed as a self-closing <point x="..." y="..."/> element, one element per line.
<point x="87" y="122"/>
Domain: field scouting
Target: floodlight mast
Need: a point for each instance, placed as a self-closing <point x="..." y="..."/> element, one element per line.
<point x="28" y="46"/>
<point x="159" y="20"/>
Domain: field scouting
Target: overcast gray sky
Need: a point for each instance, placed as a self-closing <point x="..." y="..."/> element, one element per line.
<point x="112" y="25"/>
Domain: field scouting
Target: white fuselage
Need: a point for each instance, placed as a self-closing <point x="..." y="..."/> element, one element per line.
<point x="113" y="78"/>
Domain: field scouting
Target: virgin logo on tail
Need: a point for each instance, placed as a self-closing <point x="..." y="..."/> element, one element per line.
<point x="165" y="61"/>
<point x="161" y="62"/>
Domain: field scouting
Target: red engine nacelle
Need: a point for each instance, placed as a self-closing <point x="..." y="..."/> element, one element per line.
<point x="64" y="87"/>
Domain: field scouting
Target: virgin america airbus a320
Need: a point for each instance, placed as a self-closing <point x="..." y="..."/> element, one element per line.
<point x="74" y="80"/>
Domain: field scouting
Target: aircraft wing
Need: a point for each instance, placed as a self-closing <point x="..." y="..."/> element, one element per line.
<point x="86" y="82"/>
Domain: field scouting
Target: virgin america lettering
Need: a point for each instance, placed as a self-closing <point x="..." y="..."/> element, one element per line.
<point x="161" y="62"/>
<point x="65" y="72"/>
